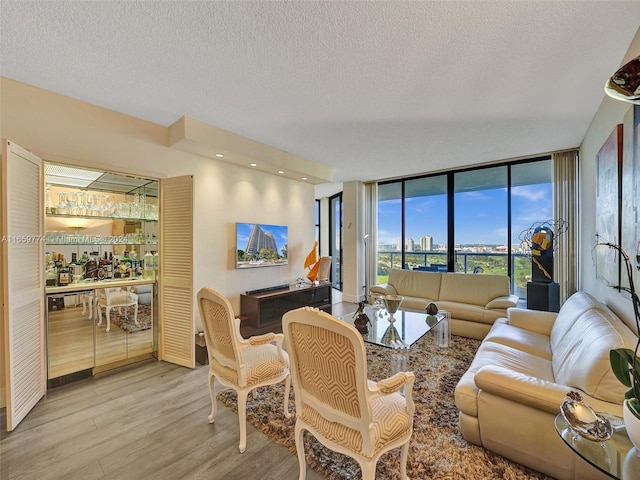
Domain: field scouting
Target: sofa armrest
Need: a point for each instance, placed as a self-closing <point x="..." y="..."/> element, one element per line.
<point x="384" y="289"/>
<point x="504" y="302"/>
<point x="532" y="320"/>
<point x="533" y="392"/>
<point x="521" y="388"/>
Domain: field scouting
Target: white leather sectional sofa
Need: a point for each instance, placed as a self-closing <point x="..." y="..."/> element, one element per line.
<point x="474" y="301"/>
<point x="511" y="393"/>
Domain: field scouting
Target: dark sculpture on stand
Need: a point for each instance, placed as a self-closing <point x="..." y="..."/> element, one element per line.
<point x="542" y="254"/>
<point x="539" y="244"/>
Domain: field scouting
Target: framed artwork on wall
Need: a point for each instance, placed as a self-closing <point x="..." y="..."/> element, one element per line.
<point x="630" y="212"/>
<point x="608" y="205"/>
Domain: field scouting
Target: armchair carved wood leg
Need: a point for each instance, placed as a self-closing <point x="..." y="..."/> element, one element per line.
<point x="212" y="393"/>
<point x="108" y="318"/>
<point x="287" y="387"/>
<point x="302" y="463"/>
<point x="403" y="461"/>
<point x="92" y="305"/>
<point x="135" y="315"/>
<point x="368" y="470"/>
<point x="242" y="418"/>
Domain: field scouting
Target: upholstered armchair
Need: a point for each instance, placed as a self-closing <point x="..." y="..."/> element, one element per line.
<point x="334" y="400"/>
<point x="110" y="298"/>
<point x="324" y="269"/>
<point x="238" y="363"/>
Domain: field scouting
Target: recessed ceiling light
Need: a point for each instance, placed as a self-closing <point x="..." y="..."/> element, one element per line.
<point x="280" y="172"/>
<point x="253" y="164"/>
<point x="304" y="178"/>
<point x="219" y="155"/>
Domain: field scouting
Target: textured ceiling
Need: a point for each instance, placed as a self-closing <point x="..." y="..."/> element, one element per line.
<point x="372" y="89"/>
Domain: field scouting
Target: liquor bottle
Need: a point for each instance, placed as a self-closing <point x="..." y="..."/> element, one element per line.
<point x="91" y="269"/>
<point x="64" y="275"/>
<point x="133" y="257"/>
<point x="148" y="265"/>
<point x="83" y="259"/>
<point x="109" y="265"/>
<point x="52" y="275"/>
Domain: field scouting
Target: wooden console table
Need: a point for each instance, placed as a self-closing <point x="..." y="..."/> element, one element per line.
<point x="262" y="312"/>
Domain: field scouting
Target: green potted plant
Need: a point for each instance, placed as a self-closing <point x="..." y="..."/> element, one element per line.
<point x="625" y="362"/>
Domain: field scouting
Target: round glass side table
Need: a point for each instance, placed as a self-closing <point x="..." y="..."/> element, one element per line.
<point x="617" y="457"/>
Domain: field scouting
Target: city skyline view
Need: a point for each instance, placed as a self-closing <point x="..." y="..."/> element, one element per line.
<point x="480" y="216"/>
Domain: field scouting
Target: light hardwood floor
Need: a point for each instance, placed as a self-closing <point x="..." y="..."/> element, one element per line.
<point x="147" y="420"/>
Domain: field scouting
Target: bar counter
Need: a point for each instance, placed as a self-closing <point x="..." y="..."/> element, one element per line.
<point x="95" y="284"/>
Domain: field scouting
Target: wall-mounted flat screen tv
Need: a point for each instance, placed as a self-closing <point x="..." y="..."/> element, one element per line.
<point x="261" y="245"/>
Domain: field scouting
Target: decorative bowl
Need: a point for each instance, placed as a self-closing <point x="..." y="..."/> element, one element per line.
<point x="584" y="420"/>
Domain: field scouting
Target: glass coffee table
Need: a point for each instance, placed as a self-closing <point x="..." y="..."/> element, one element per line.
<point x="405" y="328"/>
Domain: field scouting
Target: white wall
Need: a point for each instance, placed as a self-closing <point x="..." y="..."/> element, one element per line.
<point x="353" y="230"/>
<point x="610" y="113"/>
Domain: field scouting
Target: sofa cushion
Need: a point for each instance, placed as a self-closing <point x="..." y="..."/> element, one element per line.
<point x="520" y="338"/>
<point x="474" y="313"/>
<point x="473" y="289"/>
<point x="571" y="310"/>
<point x="415" y="283"/>
<point x="581" y="357"/>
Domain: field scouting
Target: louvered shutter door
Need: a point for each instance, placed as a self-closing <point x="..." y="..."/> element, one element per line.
<point x="177" y="330"/>
<point x="23" y="281"/>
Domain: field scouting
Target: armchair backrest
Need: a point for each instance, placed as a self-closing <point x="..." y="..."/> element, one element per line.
<point x="324" y="268"/>
<point x="329" y="369"/>
<point x="219" y="327"/>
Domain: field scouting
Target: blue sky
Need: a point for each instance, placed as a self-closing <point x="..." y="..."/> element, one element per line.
<point x="481" y="216"/>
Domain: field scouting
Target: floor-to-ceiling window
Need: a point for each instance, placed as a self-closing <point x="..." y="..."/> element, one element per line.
<point x="390" y="246"/>
<point x="531" y="204"/>
<point x="481" y="220"/>
<point x="426" y="223"/>
<point x="335" y="239"/>
<point x="466" y="221"/>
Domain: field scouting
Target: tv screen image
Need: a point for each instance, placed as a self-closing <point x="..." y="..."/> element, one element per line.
<point x="261" y="245"/>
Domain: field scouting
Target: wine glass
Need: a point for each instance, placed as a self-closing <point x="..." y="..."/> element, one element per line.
<point x="92" y="205"/>
<point x="49" y="205"/>
<point x="72" y="201"/>
<point x="82" y="205"/>
<point x="375" y="300"/>
<point x="62" y="204"/>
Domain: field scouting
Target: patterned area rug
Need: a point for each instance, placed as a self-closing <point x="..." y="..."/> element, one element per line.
<point x="125" y="321"/>
<point x="437" y="449"/>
